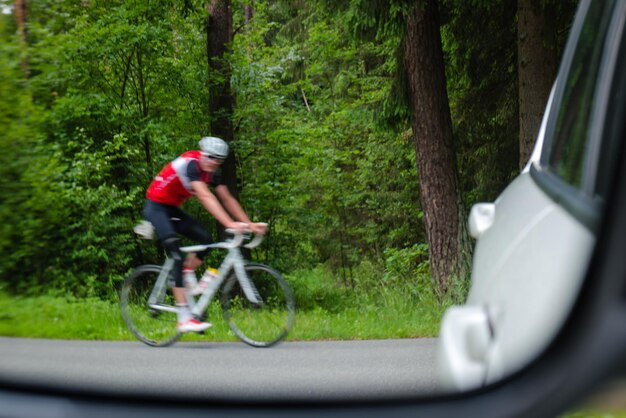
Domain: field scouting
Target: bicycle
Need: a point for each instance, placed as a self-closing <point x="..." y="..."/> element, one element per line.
<point x="257" y="302"/>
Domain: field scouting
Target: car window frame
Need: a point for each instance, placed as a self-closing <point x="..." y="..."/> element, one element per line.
<point x="581" y="202"/>
<point x="606" y="122"/>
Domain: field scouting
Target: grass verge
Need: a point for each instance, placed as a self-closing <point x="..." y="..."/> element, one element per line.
<point x="95" y="319"/>
<point x="325" y="311"/>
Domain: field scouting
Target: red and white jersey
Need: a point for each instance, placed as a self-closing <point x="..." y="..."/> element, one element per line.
<point x="172" y="186"/>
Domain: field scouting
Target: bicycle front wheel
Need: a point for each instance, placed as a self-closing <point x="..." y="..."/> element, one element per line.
<point x="265" y="321"/>
<point x="154" y="321"/>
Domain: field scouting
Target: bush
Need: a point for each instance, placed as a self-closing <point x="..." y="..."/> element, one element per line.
<point x="318" y="289"/>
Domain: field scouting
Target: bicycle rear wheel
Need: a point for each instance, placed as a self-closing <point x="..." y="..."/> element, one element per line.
<point x="156" y="325"/>
<point x="259" y="324"/>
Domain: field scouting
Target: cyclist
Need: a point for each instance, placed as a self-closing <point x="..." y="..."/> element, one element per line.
<point x="190" y="175"/>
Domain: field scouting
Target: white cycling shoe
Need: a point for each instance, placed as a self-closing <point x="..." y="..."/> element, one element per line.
<point x="192" y="325"/>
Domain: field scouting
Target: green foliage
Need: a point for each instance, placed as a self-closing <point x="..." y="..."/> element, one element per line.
<point x="114" y="97"/>
<point x="314" y="162"/>
<point x="17" y="138"/>
<point x="482" y="87"/>
<point x="317" y="289"/>
<point x="479" y="40"/>
<point x="117" y="89"/>
<point x="403" y="264"/>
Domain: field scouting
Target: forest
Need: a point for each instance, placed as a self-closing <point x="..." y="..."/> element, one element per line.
<point x="362" y="131"/>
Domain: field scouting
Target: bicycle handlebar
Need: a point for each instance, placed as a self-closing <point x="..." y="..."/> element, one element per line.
<point x="238" y="238"/>
<point x="236" y="241"/>
<point x="258" y="239"/>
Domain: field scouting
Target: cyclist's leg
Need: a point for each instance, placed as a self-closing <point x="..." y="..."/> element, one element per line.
<point x="161" y="218"/>
<point x="192" y="229"/>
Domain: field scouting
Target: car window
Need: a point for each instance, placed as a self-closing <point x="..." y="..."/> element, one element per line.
<point x="604" y="159"/>
<point x="569" y="145"/>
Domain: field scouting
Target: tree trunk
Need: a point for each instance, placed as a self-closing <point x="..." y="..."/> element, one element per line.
<point x="249" y="12"/>
<point x="221" y="101"/>
<point x="20" y="20"/>
<point x="537" y="67"/>
<point x="434" y="147"/>
<point x="142" y="103"/>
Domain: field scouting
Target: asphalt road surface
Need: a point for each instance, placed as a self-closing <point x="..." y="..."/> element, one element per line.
<point x="291" y="371"/>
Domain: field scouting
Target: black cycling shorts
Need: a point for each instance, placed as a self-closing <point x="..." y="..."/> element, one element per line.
<point x="169" y="221"/>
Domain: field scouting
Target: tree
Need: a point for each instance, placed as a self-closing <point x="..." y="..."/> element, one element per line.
<point x="21" y="19"/>
<point x="221" y="102"/>
<point x="249" y="12"/>
<point x="541" y="29"/>
<point x="537" y="65"/>
<point x="421" y="97"/>
<point x="434" y="146"/>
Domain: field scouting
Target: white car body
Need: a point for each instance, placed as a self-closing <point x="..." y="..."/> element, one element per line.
<point x="534" y="243"/>
<point x="529" y="261"/>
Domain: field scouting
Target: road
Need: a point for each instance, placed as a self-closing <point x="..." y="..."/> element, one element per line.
<point x="328" y="370"/>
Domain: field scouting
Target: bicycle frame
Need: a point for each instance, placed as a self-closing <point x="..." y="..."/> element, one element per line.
<point x="233" y="261"/>
<point x="160" y="287"/>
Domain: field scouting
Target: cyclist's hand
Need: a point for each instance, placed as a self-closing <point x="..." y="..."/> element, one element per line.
<point x="258" y="228"/>
<point x="240" y="227"/>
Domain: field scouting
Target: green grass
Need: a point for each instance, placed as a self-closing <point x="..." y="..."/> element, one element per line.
<point x="94" y="319"/>
<point x="324" y="311"/>
<point x="57" y="317"/>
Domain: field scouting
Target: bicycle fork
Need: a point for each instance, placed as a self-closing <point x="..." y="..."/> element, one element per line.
<point x="238" y="264"/>
<point x="249" y="289"/>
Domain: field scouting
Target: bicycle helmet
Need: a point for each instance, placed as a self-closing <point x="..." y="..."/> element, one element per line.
<point x="213" y="146"/>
